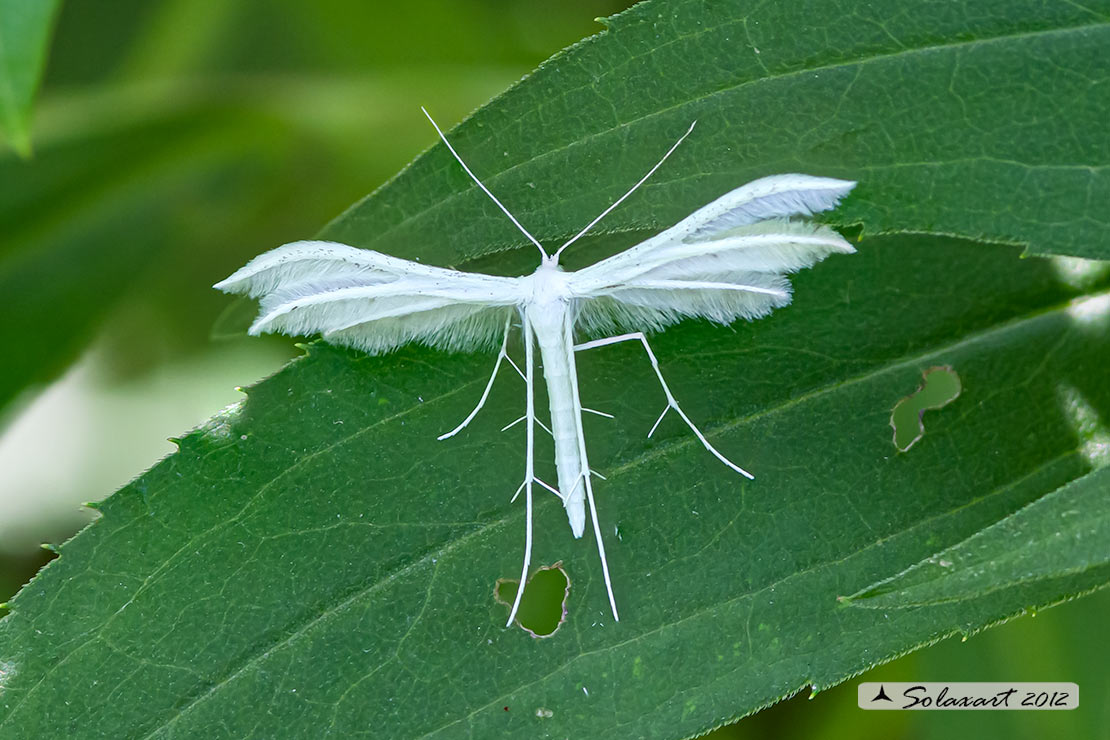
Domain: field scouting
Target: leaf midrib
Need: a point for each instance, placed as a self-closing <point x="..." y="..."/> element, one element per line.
<point x="910" y="360"/>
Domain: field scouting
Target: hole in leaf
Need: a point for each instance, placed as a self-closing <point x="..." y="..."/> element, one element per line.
<point x="939" y="387"/>
<point x="544" y="604"/>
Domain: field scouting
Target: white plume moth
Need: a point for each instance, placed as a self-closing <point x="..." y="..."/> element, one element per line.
<point x="725" y="261"/>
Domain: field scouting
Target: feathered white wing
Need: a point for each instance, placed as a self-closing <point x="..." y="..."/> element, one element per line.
<point x="371" y="301"/>
<point x="725" y="261"/>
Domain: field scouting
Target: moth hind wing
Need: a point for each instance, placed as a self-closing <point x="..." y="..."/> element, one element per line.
<point x="651" y="305"/>
<point x="454" y="328"/>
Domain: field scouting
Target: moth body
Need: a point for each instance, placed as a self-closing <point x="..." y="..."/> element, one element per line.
<point x="550" y="313"/>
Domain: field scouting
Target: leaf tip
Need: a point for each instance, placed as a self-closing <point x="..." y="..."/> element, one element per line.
<point x="50" y="547"/>
<point x="309" y="349"/>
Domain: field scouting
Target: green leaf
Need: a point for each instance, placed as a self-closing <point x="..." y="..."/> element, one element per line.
<point x="979" y="119"/>
<point x="1061" y="534"/>
<point x="24" y="37"/>
<point x="314" y="562"/>
<point x="88" y="220"/>
<point x="316" y="551"/>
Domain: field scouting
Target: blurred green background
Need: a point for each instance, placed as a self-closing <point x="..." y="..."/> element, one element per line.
<point x="175" y="139"/>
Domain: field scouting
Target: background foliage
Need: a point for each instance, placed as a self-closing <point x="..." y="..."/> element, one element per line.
<point x="175" y="140"/>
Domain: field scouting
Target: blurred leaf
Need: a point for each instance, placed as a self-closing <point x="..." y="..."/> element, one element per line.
<point x="24" y="37"/>
<point x="1061" y="534"/>
<point x="1050" y="646"/>
<point x="84" y="222"/>
<point x="316" y="551"/>
<point x="141" y="40"/>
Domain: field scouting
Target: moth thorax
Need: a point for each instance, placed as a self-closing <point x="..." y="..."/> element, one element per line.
<point x="549" y="284"/>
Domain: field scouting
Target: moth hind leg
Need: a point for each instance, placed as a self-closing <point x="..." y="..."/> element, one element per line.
<point x="671" y="402"/>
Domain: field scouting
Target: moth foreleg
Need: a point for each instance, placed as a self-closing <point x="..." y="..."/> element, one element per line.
<point x="671" y="402"/>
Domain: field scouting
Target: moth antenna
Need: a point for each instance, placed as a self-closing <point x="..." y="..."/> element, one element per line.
<point x="620" y="200"/>
<point x="483" y="187"/>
